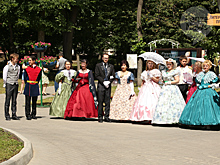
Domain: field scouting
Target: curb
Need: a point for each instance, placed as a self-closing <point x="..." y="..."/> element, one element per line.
<point x="24" y="156"/>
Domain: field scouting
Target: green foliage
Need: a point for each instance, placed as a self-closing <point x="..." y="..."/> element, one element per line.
<point x="139" y="47"/>
<point x="161" y="19"/>
<point x="100" y="25"/>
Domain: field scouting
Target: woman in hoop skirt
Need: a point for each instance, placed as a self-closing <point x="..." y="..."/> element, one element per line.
<point x="124" y="97"/>
<point x="203" y="107"/>
<point x="146" y="101"/>
<point x="83" y="101"/>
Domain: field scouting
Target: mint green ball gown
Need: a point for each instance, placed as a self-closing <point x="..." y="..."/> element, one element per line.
<point x="58" y="105"/>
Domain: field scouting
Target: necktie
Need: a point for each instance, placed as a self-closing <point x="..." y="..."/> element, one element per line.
<point x="106" y="78"/>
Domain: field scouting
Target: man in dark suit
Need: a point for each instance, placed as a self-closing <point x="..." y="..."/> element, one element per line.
<point x="105" y="74"/>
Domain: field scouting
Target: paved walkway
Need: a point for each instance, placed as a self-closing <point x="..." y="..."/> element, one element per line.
<point x="58" y="141"/>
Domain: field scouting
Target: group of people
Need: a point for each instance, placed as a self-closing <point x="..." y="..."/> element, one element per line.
<point x="162" y="98"/>
<point x="31" y="76"/>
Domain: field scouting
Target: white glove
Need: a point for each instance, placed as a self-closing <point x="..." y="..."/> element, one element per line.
<point x="132" y="88"/>
<point x="111" y="77"/>
<point x="59" y="90"/>
<point x="4" y="85"/>
<point x="106" y="83"/>
<point x="168" y="83"/>
<point x="214" y="86"/>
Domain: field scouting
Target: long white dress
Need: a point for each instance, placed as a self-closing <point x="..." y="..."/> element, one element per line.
<point x="170" y="103"/>
<point x="146" y="102"/>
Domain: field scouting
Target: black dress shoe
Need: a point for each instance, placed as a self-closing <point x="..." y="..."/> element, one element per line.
<point x="107" y="119"/>
<point x="34" y="117"/>
<point x="15" y="118"/>
<point x="100" y="120"/>
<point x="28" y="118"/>
<point x="7" y="118"/>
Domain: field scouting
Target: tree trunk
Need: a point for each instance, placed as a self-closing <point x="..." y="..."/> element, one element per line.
<point x="139" y="27"/>
<point x="41" y="37"/>
<point x="78" y="61"/>
<point x="218" y="4"/>
<point x="140" y="35"/>
<point x="11" y="40"/>
<point x="68" y="35"/>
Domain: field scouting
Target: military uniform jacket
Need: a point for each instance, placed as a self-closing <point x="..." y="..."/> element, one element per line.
<point x="32" y="76"/>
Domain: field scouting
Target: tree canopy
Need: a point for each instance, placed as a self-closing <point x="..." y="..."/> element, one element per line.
<point x="90" y="27"/>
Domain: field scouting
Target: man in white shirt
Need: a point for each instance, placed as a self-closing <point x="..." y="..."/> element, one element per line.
<point x="184" y="72"/>
<point x="10" y="77"/>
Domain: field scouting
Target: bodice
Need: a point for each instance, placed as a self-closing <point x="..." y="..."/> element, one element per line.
<point x="125" y="79"/>
<point x="169" y="76"/>
<point x="205" y="79"/>
<point x="84" y="78"/>
<point x="147" y="75"/>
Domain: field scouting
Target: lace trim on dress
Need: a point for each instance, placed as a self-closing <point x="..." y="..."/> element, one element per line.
<point x="210" y="76"/>
<point x="66" y="73"/>
<point x="87" y="71"/>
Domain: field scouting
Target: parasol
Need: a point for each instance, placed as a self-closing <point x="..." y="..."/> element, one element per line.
<point x="155" y="57"/>
<point x="198" y="59"/>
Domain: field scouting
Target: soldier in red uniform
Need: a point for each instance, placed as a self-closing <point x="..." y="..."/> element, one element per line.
<point x="32" y="76"/>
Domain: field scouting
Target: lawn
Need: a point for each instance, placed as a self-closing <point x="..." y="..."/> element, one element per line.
<point x="48" y="100"/>
<point x="9" y="145"/>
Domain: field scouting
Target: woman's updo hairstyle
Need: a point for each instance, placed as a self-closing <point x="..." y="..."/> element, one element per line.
<point x="125" y="62"/>
<point x="207" y="62"/>
<point x="86" y="61"/>
<point x="69" y="62"/>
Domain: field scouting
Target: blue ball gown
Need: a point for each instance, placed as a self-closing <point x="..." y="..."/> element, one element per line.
<point x="203" y="107"/>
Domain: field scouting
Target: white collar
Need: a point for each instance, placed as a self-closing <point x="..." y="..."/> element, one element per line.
<point x="12" y="64"/>
<point x="66" y="73"/>
<point x="87" y="71"/>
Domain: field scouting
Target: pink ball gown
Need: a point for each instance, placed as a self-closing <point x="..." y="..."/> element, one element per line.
<point x="146" y="101"/>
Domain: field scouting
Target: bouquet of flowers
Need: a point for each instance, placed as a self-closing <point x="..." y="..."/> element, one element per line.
<point x="41" y="45"/>
<point x="24" y="60"/>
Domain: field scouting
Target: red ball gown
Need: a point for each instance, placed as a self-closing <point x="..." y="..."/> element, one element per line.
<point x="192" y="89"/>
<point x="81" y="102"/>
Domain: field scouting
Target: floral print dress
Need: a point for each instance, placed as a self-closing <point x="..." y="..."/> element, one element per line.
<point x="121" y="106"/>
<point x="170" y="103"/>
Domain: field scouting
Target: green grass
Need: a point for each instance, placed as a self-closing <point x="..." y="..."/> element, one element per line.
<point x="9" y="145"/>
<point x="46" y="101"/>
<point x="2" y="89"/>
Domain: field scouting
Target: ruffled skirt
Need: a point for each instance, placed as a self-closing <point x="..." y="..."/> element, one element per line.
<point x="202" y="109"/>
<point x="170" y="106"/>
<point x="146" y="102"/>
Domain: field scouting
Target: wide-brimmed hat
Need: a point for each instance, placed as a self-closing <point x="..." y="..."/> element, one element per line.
<point x="173" y="61"/>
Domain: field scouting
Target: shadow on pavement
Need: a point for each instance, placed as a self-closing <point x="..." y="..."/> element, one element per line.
<point x="201" y="127"/>
<point x="166" y="125"/>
